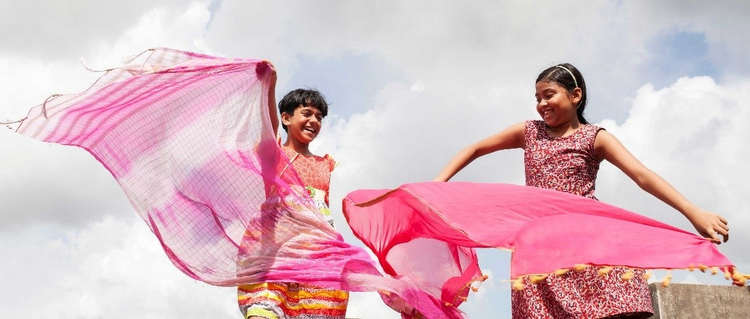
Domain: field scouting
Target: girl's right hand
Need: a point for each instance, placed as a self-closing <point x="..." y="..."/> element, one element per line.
<point x="709" y="225"/>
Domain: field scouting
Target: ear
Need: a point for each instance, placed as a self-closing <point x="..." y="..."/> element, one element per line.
<point x="286" y="119"/>
<point x="577" y="96"/>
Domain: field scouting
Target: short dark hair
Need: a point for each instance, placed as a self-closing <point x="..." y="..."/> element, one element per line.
<point x="302" y="97"/>
<point x="569" y="80"/>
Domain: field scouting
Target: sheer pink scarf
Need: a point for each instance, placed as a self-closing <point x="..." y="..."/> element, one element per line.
<point x="188" y="138"/>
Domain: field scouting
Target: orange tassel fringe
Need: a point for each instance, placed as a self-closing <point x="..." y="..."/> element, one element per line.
<point x="738" y="279"/>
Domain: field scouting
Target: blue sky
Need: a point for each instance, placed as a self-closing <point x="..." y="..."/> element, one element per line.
<point x="679" y="54"/>
<point x="410" y="84"/>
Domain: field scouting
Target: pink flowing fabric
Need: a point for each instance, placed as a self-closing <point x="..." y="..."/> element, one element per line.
<point x="415" y="227"/>
<point x="188" y="138"/>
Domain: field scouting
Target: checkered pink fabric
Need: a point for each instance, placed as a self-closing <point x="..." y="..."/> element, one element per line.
<point x="188" y="138"/>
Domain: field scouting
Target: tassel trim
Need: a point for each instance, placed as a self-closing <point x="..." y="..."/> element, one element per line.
<point x="730" y="273"/>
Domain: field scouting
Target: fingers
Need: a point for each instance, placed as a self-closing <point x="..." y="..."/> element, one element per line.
<point x="723" y="228"/>
<point x="723" y="224"/>
<point x="724" y="233"/>
<point x="713" y="235"/>
<point x="715" y="238"/>
<point x="263" y="66"/>
<point x="715" y="225"/>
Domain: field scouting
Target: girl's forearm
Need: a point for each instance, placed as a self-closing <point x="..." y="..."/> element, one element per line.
<point x="272" y="104"/>
<point x="708" y="225"/>
<point x="456" y="164"/>
<point x="510" y="137"/>
<point x="661" y="189"/>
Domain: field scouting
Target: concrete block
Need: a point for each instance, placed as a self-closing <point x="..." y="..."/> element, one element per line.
<point x="680" y="301"/>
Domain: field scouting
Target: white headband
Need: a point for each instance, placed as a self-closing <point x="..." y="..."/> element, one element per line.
<point x="571" y="74"/>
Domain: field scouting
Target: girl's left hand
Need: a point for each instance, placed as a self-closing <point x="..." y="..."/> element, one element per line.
<point x="710" y="225"/>
<point x="264" y="66"/>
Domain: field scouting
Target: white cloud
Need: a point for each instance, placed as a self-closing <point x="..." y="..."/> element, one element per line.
<point x="471" y="48"/>
<point x="63" y="29"/>
<point x="418" y="86"/>
<point x="163" y="27"/>
<point x="108" y="269"/>
<point x="27" y="82"/>
<point x="52" y="184"/>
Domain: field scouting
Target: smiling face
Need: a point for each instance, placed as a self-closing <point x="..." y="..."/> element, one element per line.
<point x="555" y="104"/>
<point x="304" y="125"/>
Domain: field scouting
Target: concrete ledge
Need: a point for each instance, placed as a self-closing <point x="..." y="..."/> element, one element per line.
<point x="700" y="301"/>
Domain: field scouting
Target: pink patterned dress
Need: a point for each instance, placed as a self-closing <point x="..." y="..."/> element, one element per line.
<point x="569" y="164"/>
<point x="278" y="300"/>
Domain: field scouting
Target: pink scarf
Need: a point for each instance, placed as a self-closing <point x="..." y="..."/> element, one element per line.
<point x="188" y="138"/>
<point x="417" y="226"/>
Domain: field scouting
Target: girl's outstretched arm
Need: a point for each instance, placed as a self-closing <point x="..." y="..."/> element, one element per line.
<point x="272" y="103"/>
<point x="266" y="68"/>
<point x="511" y="137"/>
<point x="708" y="225"/>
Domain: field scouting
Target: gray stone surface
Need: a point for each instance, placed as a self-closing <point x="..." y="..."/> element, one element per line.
<point x="680" y="301"/>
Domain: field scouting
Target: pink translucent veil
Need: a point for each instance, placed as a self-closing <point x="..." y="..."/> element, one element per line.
<point x="415" y="226"/>
<point x="188" y="138"/>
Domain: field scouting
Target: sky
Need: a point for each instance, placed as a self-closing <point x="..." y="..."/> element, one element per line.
<point x="410" y="83"/>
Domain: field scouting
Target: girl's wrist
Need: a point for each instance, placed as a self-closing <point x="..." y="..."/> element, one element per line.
<point x="691" y="211"/>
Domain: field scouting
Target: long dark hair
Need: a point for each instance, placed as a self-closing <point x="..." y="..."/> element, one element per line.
<point x="569" y="80"/>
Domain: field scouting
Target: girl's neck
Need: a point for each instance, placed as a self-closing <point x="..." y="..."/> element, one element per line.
<point x="564" y="129"/>
<point x="297" y="146"/>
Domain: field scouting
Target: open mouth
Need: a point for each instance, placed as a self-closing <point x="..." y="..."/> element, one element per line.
<point x="310" y="129"/>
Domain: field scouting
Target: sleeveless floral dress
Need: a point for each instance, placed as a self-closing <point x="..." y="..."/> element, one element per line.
<point x="569" y="164"/>
<point x="291" y="300"/>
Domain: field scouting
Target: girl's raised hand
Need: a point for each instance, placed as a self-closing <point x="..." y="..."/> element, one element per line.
<point x="709" y="225"/>
<point x="264" y="66"/>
